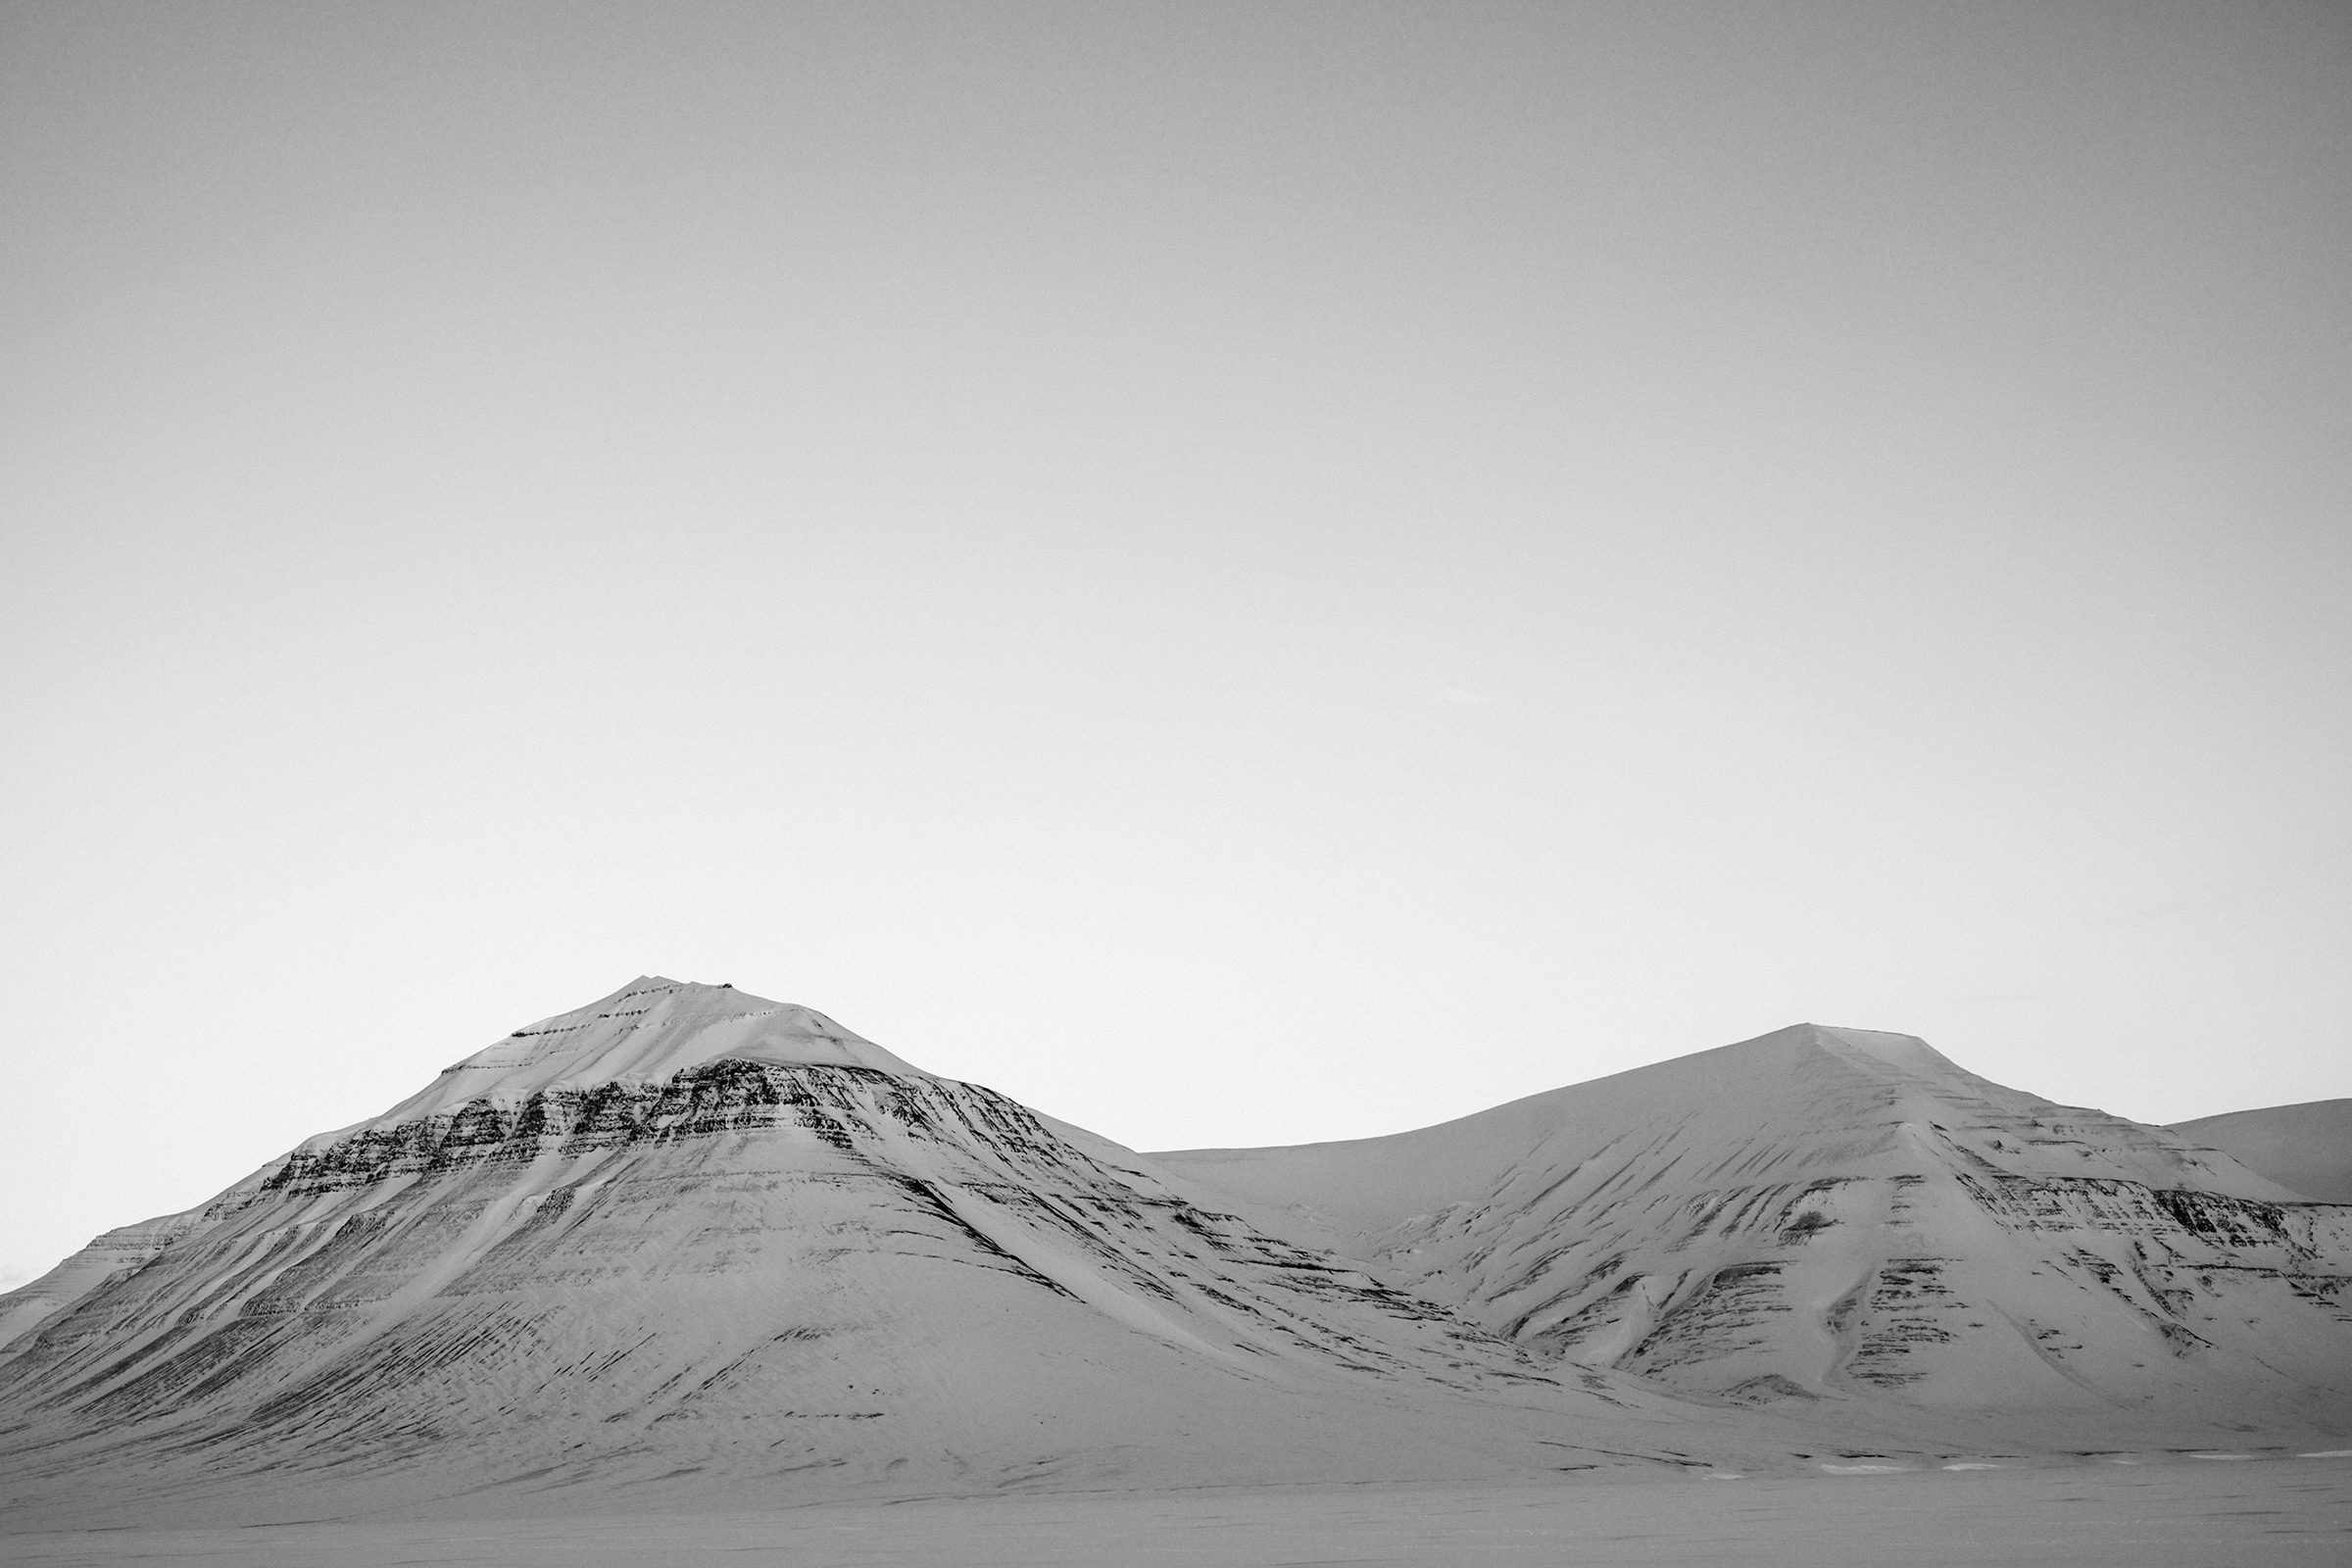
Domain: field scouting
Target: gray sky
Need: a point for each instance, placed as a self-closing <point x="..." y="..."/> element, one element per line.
<point x="1239" y="574"/>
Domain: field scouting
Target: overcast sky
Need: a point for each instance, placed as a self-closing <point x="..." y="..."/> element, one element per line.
<point x="1241" y="573"/>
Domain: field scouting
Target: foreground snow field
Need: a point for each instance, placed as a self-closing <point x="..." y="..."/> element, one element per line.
<point x="2155" y="1512"/>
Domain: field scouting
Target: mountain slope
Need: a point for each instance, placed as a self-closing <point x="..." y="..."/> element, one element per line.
<point x="2306" y="1147"/>
<point x="1835" y="1211"/>
<point x="685" y="1239"/>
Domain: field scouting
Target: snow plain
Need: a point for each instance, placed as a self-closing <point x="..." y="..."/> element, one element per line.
<point x="2153" y="1511"/>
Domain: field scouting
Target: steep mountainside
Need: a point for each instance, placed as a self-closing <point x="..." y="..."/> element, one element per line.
<point x="2307" y="1147"/>
<point x="1836" y="1211"/>
<point x="688" y="1239"/>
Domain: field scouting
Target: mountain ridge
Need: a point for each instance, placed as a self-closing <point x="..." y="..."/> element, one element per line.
<point x="2306" y="1147"/>
<point x="1823" y="1211"/>
<point x="1474" y="1142"/>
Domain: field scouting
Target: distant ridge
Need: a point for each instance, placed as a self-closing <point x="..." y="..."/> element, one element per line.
<point x="2305" y="1147"/>
<point x="1825" y="1212"/>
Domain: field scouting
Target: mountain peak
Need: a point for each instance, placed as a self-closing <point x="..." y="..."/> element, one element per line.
<point x="1872" y="1049"/>
<point x="652" y="1028"/>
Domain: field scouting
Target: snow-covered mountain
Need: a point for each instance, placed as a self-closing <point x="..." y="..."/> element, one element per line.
<point x="685" y="1246"/>
<point x="1845" y="1213"/>
<point x="685" y="1239"/>
<point x="2305" y="1147"/>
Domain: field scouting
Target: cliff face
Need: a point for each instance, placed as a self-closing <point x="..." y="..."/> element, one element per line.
<point x="1836" y="1211"/>
<point x="704" y="1269"/>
